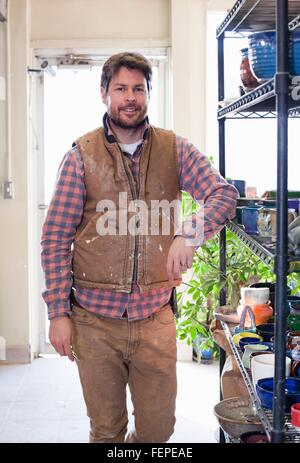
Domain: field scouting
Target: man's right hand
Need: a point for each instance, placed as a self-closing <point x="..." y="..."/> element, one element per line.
<point x="60" y="335"/>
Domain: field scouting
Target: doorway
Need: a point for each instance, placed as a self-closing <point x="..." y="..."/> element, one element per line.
<point x="69" y="105"/>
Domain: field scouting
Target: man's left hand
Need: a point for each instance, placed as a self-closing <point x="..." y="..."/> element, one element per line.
<point x="180" y="257"/>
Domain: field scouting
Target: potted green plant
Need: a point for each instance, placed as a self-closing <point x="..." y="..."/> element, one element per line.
<point x="200" y="294"/>
<point x="199" y="297"/>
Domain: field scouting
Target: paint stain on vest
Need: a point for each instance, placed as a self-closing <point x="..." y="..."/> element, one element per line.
<point x="91" y="240"/>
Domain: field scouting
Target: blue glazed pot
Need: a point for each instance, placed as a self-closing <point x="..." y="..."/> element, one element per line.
<point x="266" y="330"/>
<point x="294" y="204"/>
<point x="264" y="389"/>
<point x="239" y="214"/>
<point x="240" y="185"/>
<point x="245" y="341"/>
<point x="262" y="53"/>
<point x="249" y="219"/>
<point x="207" y="354"/>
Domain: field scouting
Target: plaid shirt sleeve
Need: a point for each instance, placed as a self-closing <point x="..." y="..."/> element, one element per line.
<point x="217" y="198"/>
<point x="63" y="217"/>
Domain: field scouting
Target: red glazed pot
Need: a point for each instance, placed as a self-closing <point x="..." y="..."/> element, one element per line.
<point x="249" y="81"/>
<point x="295" y="415"/>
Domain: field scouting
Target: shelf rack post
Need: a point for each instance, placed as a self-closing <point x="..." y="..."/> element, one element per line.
<point x="270" y="96"/>
<point x="281" y="262"/>
<point x="222" y="296"/>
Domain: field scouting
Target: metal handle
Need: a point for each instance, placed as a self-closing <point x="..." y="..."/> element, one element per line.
<point x="43" y="206"/>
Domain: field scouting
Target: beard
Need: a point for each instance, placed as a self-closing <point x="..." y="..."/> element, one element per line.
<point x="117" y="119"/>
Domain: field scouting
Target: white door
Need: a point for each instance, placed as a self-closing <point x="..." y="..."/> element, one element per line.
<point x="69" y="105"/>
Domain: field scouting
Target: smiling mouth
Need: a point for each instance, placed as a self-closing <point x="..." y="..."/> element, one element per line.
<point x="129" y="110"/>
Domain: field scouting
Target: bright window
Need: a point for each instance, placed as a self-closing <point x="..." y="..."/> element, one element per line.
<point x="73" y="106"/>
<point x="251" y="146"/>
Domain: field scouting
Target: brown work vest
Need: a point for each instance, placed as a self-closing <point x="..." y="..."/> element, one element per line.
<point x="117" y="259"/>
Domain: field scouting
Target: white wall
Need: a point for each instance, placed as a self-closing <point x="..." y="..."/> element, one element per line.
<point x="189" y="66"/>
<point x="14" y="311"/>
<point x="100" y="22"/>
<point x="188" y="53"/>
<point x="70" y="24"/>
<point x="219" y="5"/>
<point x="3" y="108"/>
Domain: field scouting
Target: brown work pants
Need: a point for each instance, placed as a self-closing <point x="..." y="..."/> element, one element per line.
<point x="115" y="352"/>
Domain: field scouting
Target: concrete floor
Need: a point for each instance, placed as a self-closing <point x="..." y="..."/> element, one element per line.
<point x="42" y="402"/>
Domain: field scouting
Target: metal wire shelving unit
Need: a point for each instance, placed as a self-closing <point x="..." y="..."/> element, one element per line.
<point x="272" y="98"/>
<point x="291" y="434"/>
<point x="263" y="248"/>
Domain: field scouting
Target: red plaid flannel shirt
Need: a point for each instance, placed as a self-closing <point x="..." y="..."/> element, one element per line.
<point x="64" y="215"/>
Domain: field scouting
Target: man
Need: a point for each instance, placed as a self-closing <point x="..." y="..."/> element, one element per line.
<point x="109" y="297"/>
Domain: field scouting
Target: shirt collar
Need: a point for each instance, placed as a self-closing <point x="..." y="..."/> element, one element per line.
<point x="110" y="135"/>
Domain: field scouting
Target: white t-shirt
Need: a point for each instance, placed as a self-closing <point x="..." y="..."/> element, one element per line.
<point x="130" y="147"/>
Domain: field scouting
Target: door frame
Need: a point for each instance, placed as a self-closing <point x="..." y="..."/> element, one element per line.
<point x="158" y="56"/>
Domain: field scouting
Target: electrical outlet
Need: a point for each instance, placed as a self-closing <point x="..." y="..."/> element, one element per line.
<point x="8" y="190"/>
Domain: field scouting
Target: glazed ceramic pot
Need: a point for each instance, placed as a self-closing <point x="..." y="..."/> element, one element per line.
<point x="244" y="334"/>
<point x="265" y="386"/>
<point x="249" y="81"/>
<point x="239" y="214"/>
<point x="247" y="321"/>
<point x="262" y="313"/>
<point x="264" y="222"/>
<point x="294" y="204"/>
<point x="249" y="219"/>
<point x="293" y="339"/>
<point x="240" y="185"/>
<point x="247" y="341"/>
<point x="254" y="437"/>
<point x="249" y="349"/>
<point x="293" y="319"/>
<point x="295" y="353"/>
<point x="266" y="330"/>
<point x="295" y="415"/>
<point x="252" y="295"/>
<point x="296" y="369"/>
<point x="262" y="366"/>
<point x="255" y="354"/>
<point x="236" y="416"/>
<point x="292" y="302"/>
<point x="262" y="53"/>
<point x="291" y="215"/>
<point x="271" y="287"/>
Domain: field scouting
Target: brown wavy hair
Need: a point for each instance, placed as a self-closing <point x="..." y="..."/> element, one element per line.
<point x="129" y="61"/>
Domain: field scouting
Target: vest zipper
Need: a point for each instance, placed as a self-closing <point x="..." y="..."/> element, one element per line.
<point x="134" y="196"/>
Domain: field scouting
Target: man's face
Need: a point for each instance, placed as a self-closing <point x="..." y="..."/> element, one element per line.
<point x="127" y="98"/>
